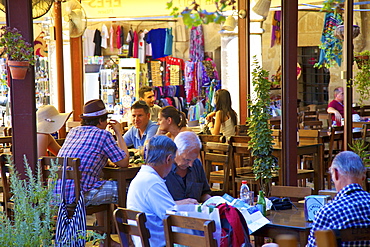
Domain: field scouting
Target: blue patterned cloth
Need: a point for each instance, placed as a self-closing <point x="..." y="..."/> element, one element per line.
<point x="350" y="208"/>
<point x="93" y="146"/>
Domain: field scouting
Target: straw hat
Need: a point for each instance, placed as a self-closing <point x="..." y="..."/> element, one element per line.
<point x="49" y="120"/>
<point x="93" y="109"/>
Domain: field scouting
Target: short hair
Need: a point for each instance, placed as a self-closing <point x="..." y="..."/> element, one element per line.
<point x="94" y="121"/>
<point x="177" y="116"/>
<point x="337" y="90"/>
<point x="187" y="140"/>
<point x="348" y="163"/>
<point x="143" y="90"/>
<point x="140" y="104"/>
<point x="157" y="150"/>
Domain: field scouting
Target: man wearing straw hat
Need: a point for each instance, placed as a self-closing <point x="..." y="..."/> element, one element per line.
<point x="49" y="120"/>
<point x="94" y="145"/>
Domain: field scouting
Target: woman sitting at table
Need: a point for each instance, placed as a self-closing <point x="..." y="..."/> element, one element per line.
<point x="171" y="122"/>
<point x="49" y="120"/>
<point x="224" y="118"/>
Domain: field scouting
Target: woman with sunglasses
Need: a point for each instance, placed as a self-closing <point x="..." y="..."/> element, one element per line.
<point x="224" y="118"/>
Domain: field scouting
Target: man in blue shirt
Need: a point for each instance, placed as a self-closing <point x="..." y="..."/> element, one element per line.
<point x="143" y="128"/>
<point x="187" y="180"/>
<point x="148" y="192"/>
<point x="351" y="206"/>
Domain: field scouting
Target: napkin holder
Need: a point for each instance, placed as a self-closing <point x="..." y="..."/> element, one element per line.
<point x="313" y="203"/>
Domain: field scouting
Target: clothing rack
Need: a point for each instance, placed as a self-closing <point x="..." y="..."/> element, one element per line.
<point x="154" y="18"/>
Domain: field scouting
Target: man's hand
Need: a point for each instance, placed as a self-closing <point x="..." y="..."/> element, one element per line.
<point x="186" y="201"/>
<point x="116" y="126"/>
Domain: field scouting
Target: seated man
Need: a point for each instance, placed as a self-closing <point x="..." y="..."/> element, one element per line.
<point x="351" y="206"/>
<point x="94" y="145"/>
<point x="143" y="128"/>
<point x="187" y="180"/>
<point x="148" y="192"/>
<point x="146" y="94"/>
<point x="336" y="106"/>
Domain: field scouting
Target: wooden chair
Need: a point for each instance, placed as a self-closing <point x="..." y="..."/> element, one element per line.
<point x="217" y="167"/>
<point x="204" y="225"/>
<point x="209" y="138"/>
<point x="241" y="130"/>
<point x="290" y="191"/>
<point x="335" y="146"/>
<point x="276" y="135"/>
<point x="308" y="136"/>
<point x="366" y="133"/>
<point x="75" y="174"/>
<point x="331" y="193"/>
<point x="5" y="142"/>
<point x="330" y="238"/>
<point x="313" y="124"/>
<point x="125" y="229"/>
<point x="242" y="164"/>
<point x="310" y="116"/>
<point x="7" y="204"/>
<point x="286" y="240"/>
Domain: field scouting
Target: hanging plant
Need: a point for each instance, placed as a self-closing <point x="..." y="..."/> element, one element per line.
<point x="264" y="163"/>
<point x="333" y="5"/>
<point x="193" y="15"/>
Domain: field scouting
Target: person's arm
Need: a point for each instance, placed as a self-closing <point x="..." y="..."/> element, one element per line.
<point x="46" y="142"/>
<point x="338" y="116"/>
<point x="186" y="201"/>
<point x="121" y="143"/>
<point x="217" y="125"/>
<point x="205" y="197"/>
<point x="210" y="116"/>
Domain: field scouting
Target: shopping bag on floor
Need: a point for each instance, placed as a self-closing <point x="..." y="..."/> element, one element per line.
<point x="70" y="232"/>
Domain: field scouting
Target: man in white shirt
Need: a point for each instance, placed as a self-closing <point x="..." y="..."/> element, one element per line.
<point x="146" y="94"/>
<point x="148" y="192"/>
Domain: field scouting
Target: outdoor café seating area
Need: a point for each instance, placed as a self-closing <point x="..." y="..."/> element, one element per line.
<point x="227" y="162"/>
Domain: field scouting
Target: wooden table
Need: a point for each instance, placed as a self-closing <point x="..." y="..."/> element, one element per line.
<point x="317" y="150"/>
<point x="289" y="221"/>
<point x="122" y="175"/>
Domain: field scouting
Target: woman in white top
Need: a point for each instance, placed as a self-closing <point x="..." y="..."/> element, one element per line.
<point x="224" y="118"/>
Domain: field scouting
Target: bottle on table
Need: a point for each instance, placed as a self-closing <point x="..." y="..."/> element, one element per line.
<point x="261" y="203"/>
<point x="244" y="193"/>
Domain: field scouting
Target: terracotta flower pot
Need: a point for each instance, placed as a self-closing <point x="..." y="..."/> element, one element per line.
<point x="18" y="69"/>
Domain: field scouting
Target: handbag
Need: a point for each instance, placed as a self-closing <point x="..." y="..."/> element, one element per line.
<point x="70" y="231"/>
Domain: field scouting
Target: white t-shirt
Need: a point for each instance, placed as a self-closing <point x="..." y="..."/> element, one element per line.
<point x="104" y="36"/>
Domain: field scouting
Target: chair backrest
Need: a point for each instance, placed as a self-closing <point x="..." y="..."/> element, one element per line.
<point x="241" y="130"/>
<point x="207" y="226"/>
<point x="73" y="173"/>
<point x="204" y="139"/>
<point x="276" y="135"/>
<point x="313" y="124"/>
<point x="310" y="116"/>
<point x="220" y="155"/>
<point x="331" y="193"/>
<point x="336" y="136"/>
<point x="287" y="240"/>
<point x="5" y="181"/>
<point x="329" y="238"/>
<point x="5" y="141"/>
<point x="309" y="136"/>
<point x="290" y="191"/>
<point x="366" y="132"/>
<point x="122" y="217"/>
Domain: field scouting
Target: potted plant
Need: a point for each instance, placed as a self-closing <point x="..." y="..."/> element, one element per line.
<point x="264" y="163"/>
<point x="34" y="214"/>
<point x="362" y="79"/>
<point x="19" y="52"/>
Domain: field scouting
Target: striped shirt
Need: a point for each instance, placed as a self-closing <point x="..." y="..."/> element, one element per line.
<point x="93" y="146"/>
<point x="350" y="208"/>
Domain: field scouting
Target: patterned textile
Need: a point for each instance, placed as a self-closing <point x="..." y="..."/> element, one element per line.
<point x="350" y="208"/>
<point x="70" y="231"/>
<point x="196" y="49"/>
<point x="276" y="34"/>
<point x="93" y="146"/>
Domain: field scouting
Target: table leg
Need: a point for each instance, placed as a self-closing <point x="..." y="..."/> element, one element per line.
<point x="259" y="241"/>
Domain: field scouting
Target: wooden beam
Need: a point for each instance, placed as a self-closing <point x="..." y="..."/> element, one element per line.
<point x="23" y="103"/>
<point x="289" y="91"/>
